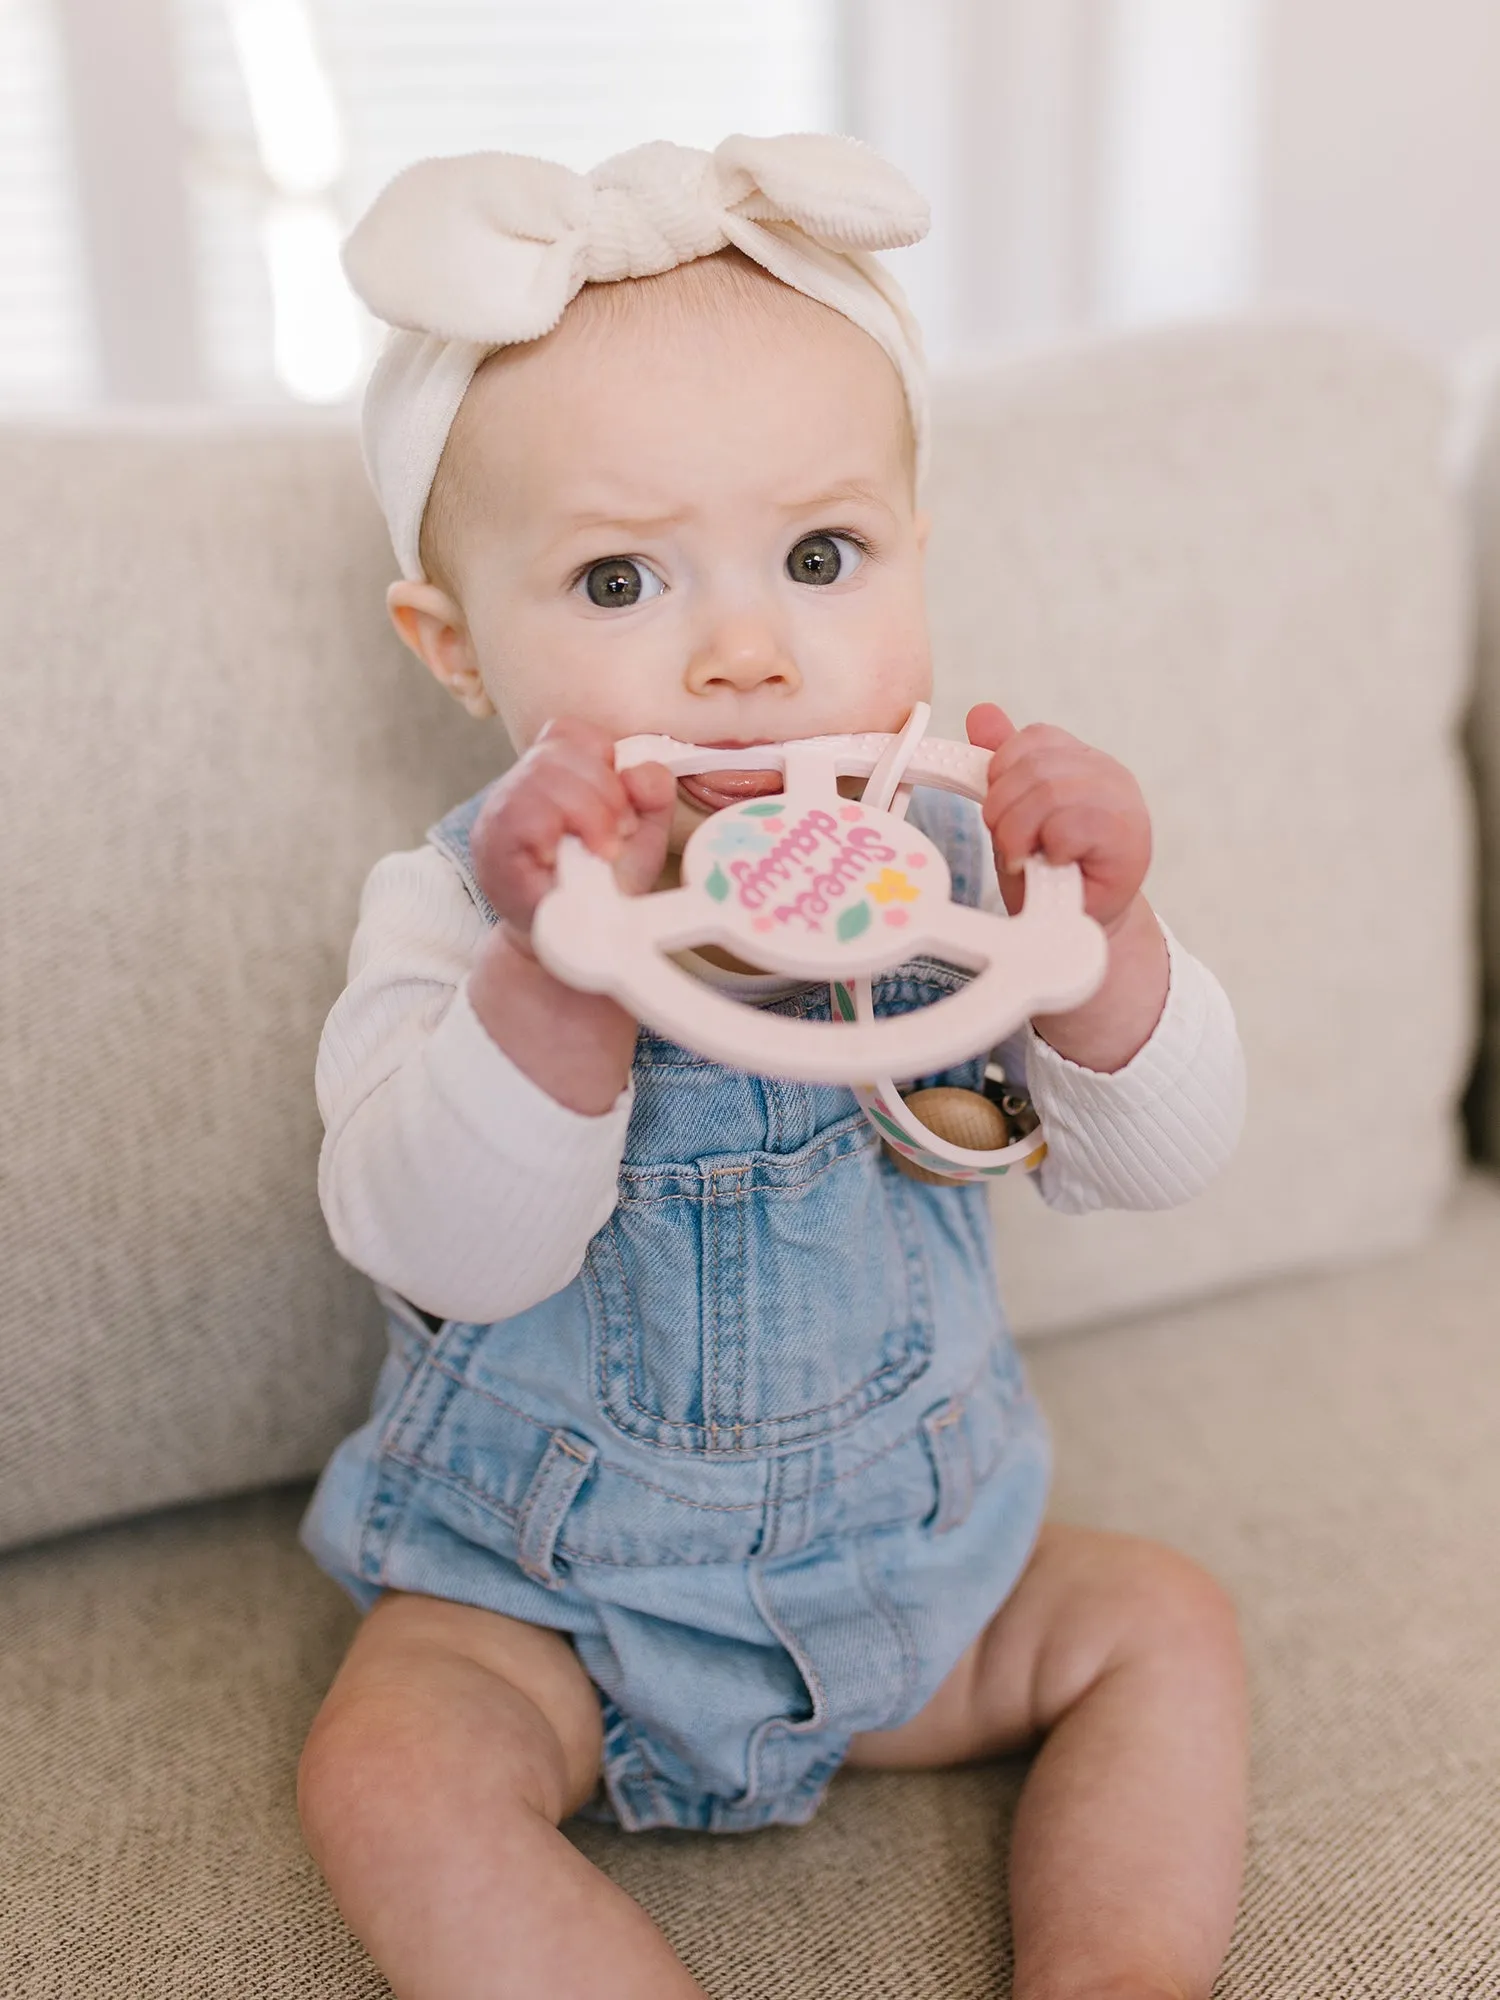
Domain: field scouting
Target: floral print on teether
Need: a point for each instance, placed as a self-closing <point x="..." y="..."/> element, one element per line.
<point x="805" y="869"/>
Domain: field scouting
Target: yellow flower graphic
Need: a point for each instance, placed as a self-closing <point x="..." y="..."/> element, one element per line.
<point x="891" y="886"/>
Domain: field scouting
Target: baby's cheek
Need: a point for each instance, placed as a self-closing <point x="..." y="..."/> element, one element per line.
<point x="521" y="716"/>
<point x="895" y="654"/>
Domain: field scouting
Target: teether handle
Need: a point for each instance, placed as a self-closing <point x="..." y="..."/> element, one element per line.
<point x="594" y="938"/>
<point x="947" y="767"/>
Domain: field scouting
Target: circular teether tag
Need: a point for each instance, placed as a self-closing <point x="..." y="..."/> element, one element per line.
<point x="808" y="884"/>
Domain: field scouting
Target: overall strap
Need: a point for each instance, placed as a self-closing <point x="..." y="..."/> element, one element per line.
<point x="451" y="836"/>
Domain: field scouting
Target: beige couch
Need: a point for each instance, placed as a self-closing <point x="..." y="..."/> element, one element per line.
<point x="1239" y="559"/>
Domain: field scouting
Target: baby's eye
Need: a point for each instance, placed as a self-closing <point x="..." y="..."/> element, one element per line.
<point x="619" y="581"/>
<point x="823" y="559"/>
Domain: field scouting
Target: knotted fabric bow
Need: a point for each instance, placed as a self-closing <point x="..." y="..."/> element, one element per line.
<point x="461" y="256"/>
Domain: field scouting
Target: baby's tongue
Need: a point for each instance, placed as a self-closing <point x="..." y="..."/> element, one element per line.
<point x="713" y="790"/>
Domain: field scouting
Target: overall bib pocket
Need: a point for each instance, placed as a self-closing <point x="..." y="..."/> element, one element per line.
<point x="748" y="1302"/>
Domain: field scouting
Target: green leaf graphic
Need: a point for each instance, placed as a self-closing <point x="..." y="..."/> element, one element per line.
<point x="843" y="999"/>
<point x="717" y="884"/>
<point x="854" y="920"/>
<point x="765" y="811"/>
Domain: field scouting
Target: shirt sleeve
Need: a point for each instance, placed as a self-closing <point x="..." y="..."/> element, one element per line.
<point x="445" y="1172"/>
<point x="1153" y="1134"/>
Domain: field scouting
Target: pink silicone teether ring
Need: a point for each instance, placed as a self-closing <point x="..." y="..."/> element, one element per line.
<point x="824" y="880"/>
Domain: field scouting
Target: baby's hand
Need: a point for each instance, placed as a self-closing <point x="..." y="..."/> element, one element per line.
<point x="1051" y="794"/>
<point x="567" y="783"/>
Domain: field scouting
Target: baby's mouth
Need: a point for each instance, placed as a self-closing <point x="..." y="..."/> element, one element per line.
<point x="711" y="791"/>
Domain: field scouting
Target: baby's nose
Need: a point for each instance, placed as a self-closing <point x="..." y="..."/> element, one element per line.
<point x="741" y="654"/>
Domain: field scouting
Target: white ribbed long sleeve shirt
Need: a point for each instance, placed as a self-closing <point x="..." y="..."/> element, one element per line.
<point x="448" y="1175"/>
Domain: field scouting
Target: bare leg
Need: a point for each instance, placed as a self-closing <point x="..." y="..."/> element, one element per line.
<point x="449" y="1747"/>
<point x="1129" y="1837"/>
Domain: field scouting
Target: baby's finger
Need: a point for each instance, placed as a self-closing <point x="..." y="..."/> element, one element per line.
<point x="582" y="745"/>
<point x="556" y="800"/>
<point x="582" y="761"/>
<point x="1020" y="827"/>
<point x="525" y="883"/>
<point x="514" y="845"/>
<point x="1037" y="741"/>
<point x="653" y="792"/>
<point x="650" y="788"/>
<point x="1036" y="766"/>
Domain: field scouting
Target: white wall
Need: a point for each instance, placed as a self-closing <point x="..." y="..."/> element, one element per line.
<point x="1100" y="163"/>
<point x="1380" y="175"/>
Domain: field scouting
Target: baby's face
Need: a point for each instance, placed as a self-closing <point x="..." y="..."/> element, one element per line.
<point x="699" y="525"/>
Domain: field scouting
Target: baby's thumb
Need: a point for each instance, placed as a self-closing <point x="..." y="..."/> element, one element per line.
<point x="988" y="726"/>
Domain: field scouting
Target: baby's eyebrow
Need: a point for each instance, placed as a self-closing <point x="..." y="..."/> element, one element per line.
<point x="600" y="520"/>
<point x="831" y="496"/>
<point x="632" y="524"/>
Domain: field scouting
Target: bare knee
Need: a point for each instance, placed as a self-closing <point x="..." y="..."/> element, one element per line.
<point x="1135" y="1603"/>
<point x="415" y="1729"/>
<point x="1170" y="1599"/>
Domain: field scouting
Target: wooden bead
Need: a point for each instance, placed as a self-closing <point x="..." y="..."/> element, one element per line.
<point x="963" y="1118"/>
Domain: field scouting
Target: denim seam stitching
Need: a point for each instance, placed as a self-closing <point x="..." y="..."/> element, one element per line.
<point x="807" y="1672"/>
<point x="847" y="1128"/>
<point x="713" y="1302"/>
<point x="903" y="1204"/>
<point x="947" y="1443"/>
<point x="576" y="1557"/>
<point x="504" y="1511"/>
<point x="501" y="1510"/>
<point x="387" y="1505"/>
<point x="642" y="1774"/>
<point x="394" y="1502"/>
<point x="728" y="1234"/>
<point x="404" y="1415"/>
<point x="894" y="1370"/>
<point x="886" y="1610"/>
<point x="920" y="1344"/>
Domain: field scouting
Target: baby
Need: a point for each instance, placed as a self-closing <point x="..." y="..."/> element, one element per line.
<point x="702" y="1463"/>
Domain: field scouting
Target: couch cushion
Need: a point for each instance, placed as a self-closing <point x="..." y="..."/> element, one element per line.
<point x="209" y="734"/>
<point x="1227" y="557"/>
<point x="1480" y="448"/>
<point x="1234" y="561"/>
<point x="1327" y="1447"/>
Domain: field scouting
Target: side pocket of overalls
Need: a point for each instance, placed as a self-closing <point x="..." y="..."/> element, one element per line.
<point x="969" y="1437"/>
<point x="946" y="1437"/>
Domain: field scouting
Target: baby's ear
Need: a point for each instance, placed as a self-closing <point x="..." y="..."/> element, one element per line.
<point x="432" y="624"/>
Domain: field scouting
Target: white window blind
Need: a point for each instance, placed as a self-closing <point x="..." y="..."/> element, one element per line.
<point x="45" y="353"/>
<point x="295" y="112"/>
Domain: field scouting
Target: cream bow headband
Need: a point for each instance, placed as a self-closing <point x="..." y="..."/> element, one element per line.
<point x="461" y="256"/>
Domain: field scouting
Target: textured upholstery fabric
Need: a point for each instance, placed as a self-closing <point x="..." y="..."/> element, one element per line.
<point x="1226" y="557"/>
<point x="207" y="734"/>
<point x="1482" y="450"/>
<point x="1233" y="561"/>
<point x="1327" y="1447"/>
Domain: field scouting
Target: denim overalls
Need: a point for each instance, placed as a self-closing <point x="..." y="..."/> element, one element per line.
<point x="770" y="1458"/>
